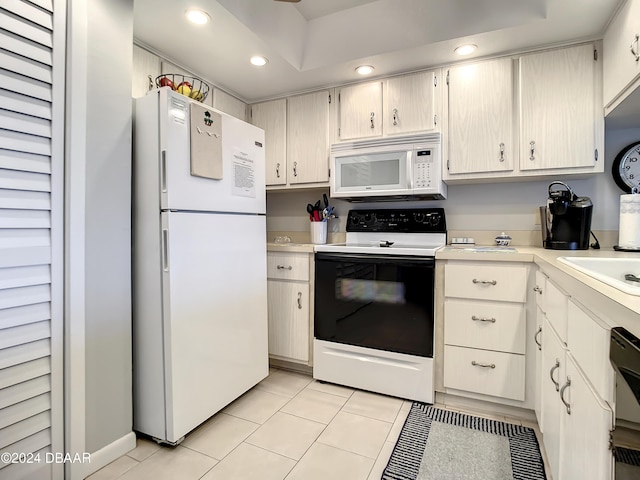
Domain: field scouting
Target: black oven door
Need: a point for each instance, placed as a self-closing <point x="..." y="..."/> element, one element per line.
<point x="385" y="302"/>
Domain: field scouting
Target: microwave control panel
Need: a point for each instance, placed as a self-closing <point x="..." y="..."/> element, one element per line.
<point x="423" y="165"/>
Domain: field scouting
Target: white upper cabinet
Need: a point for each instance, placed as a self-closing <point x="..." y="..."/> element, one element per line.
<point x="480" y="117"/>
<point x="272" y="118"/>
<point x="308" y="138"/>
<point x="360" y="112"/>
<point x="558" y="122"/>
<point x="622" y="53"/>
<point x="146" y="67"/>
<point x="228" y="104"/>
<point x="410" y="103"/>
<point x="554" y="99"/>
<point x="399" y="105"/>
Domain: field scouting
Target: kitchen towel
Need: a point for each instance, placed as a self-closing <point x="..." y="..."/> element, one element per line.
<point x="629" y="230"/>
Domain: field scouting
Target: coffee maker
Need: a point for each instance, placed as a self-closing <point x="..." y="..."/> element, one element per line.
<point x="566" y="224"/>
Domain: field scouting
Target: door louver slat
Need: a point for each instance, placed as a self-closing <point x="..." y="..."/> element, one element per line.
<point x="31" y="110"/>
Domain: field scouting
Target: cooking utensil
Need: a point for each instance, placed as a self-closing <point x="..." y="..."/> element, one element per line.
<point x="314" y="212"/>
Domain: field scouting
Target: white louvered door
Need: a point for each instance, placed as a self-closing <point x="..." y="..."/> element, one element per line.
<point x="31" y="204"/>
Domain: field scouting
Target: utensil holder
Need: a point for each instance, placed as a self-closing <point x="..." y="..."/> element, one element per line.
<point x="318" y="232"/>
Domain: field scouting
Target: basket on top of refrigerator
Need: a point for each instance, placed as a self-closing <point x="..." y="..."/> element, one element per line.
<point x="188" y="86"/>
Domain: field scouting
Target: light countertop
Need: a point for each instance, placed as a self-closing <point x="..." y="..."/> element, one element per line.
<point x="290" y="247"/>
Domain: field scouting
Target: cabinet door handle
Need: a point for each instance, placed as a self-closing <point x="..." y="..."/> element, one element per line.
<point x="564" y="387"/>
<point x="278" y="170"/>
<point x="295" y="169"/>
<point x="537" y="289"/>
<point x="299" y="300"/>
<point x="554" y="368"/>
<point x="634" y="47"/>
<point x="532" y="150"/>
<point x="150" y="86"/>
<point x="282" y="267"/>
<point x="395" y="116"/>
<point x="535" y="338"/>
<point x="484" y="282"/>
<point x="371" y="119"/>
<point x="501" y="152"/>
<point x="481" y="319"/>
<point x="483" y="365"/>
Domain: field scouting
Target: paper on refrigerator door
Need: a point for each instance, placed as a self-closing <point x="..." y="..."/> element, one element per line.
<point x="244" y="183"/>
<point x="206" y="142"/>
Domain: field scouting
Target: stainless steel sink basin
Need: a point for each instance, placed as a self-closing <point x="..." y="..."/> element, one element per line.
<point x="620" y="273"/>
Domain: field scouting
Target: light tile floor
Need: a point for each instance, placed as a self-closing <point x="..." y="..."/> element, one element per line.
<point x="288" y="427"/>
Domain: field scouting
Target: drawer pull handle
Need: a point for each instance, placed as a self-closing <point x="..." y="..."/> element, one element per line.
<point x="484" y="282"/>
<point x="483" y="365"/>
<point x="481" y="319"/>
<point x="282" y="267"/>
<point x="634" y="47"/>
<point x="564" y="387"/>
<point x="535" y="338"/>
<point x="299" y="300"/>
<point x="537" y="289"/>
<point x="555" y="367"/>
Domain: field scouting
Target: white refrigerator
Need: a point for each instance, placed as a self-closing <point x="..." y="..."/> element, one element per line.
<point x="199" y="269"/>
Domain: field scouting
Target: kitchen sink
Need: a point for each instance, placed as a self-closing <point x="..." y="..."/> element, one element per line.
<point x="620" y="273"/>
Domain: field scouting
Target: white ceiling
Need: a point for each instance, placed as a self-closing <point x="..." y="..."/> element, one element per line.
<point x="317" y="43"/>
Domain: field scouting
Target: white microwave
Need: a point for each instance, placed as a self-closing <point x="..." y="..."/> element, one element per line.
<point x="399" y="168"/>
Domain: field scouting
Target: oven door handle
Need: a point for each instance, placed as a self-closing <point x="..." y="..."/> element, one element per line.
<point x="368" y="258"/>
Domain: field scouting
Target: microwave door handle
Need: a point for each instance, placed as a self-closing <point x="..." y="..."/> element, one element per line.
<point x="410" y="170"/>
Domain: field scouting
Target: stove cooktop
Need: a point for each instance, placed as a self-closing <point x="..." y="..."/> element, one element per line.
<point x="416" y="231"/>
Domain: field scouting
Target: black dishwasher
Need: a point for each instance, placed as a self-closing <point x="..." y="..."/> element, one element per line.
<point x="625" y="358"/>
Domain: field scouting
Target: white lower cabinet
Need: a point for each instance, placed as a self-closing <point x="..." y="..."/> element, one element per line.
<point x="576" y="389"/>
<point x="539" y="289"/>
<point x="552" y="373"/>
<point x="485" y="329"/>
<point x="289" y="308"/>
<point x="289" y="319"/>
<point x="586" y="421"/>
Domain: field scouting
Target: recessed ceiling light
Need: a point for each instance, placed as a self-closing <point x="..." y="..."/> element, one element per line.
<point x="364" y="69"/>
<point x="197" y="16"/>
<point x="258" y="61"/>
<point x="466" y="49"/>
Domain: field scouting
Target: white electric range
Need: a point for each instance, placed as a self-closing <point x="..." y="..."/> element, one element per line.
<point x="374" y="302"/>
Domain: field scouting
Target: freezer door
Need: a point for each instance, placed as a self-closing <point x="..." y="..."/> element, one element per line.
<point x="215" y="313"/>
<point x="241" y="187"/>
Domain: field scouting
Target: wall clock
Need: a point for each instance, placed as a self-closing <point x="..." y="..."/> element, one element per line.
<point x="626" y="168"/>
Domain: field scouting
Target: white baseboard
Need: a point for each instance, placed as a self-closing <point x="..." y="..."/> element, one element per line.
<point x="109" y="453"/>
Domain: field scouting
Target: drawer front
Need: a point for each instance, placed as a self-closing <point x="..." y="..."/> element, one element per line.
<point x="589" y="343"/>
<point x="486" y="281"/>
<point x="556" y="309"/>
<point x="487" y="325"/>
<point x="288" y="266"/>
<point x="490" y="373"/>
<point x="539" y="290"/>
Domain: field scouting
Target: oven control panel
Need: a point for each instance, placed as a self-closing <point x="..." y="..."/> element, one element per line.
<point x="414" y="220"/>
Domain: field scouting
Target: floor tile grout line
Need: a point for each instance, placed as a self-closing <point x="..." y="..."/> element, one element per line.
<point x="271" y="451"/>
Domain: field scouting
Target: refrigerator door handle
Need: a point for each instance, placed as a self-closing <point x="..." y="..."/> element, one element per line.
<point x="163" y="170"/>
<point x="165" y="250"/>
